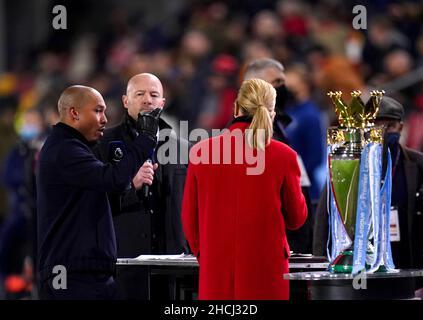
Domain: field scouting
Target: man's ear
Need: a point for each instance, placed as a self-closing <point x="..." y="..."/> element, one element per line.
<point x="163" y="102"/>
<point x="125" y="101"/>
<point x="74" y="113"/>
<point x="401" y="125"/>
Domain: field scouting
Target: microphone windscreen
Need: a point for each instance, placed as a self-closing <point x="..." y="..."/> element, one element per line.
<point x="116" y="151"/>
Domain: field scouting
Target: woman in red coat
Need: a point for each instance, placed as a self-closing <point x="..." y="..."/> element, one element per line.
<point x="242" y="191"/>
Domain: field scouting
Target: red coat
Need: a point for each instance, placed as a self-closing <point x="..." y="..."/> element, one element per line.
<point x="235" y="223"/>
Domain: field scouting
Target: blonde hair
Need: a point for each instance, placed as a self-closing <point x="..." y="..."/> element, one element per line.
<point x="256" y="98"/>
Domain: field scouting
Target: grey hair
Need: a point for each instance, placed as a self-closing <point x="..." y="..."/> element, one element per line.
<point x="257" y="66"/>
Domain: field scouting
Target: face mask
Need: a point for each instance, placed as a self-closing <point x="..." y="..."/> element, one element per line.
<point x="29" y="132"/>
<point x="283" y="98"/>
<point x="391" y="141"/>
<point x="392" y="138"/>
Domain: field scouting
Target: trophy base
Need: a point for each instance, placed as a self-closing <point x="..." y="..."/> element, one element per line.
<point x="382" y="269"/>
<point x="343" y="263"/>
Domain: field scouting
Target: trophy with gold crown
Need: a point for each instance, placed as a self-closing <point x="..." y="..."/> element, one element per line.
<point x="357" y="198"/>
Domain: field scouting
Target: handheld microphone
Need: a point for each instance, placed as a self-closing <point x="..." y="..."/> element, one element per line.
<point x="146" y="187"/>
<point x="156" y="112"/>
<point x="116" y="151"/>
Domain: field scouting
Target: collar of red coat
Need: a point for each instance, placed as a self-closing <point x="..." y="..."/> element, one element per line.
<point x="241" y="122"/>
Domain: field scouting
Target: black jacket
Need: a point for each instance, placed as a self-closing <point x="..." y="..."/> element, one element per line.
<point x="413" y="168"/>
<point x="74" y="219"/>
<point x="149" y="225"/>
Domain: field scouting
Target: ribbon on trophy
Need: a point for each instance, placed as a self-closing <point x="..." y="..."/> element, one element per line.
<point x="373" y="259"/>
<point x="338" y="237"/>
<point x="386" y="192"/>
<point x="364" y="207"/>
<point x="381" y="217"/>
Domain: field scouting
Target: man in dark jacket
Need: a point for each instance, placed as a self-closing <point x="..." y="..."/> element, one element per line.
<point x="76" y="241"/>
<point x="273" y="72"/>
<point x="151" y="223"/>
<point x="406" y="199"/>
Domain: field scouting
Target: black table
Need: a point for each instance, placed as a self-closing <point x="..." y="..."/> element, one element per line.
<point x="182" y="271"/>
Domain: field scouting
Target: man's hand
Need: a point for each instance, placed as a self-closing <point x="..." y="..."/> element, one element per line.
<point x="145" y="175"/>
<point x="148" y="123"/>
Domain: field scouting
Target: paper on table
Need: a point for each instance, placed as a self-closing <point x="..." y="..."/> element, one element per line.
<point x="302" y="255"/>
<point x="165" y="257"/>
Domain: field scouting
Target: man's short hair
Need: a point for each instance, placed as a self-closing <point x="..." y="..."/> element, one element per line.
<point x="75" y="96"/>
<point x="258" y="65"/>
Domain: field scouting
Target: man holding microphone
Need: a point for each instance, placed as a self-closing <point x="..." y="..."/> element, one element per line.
<point x="151" y="223"/>
<point x="76" y="240"/>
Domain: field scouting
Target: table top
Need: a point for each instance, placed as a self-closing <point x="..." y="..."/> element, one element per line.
<point x="326" y="275"/>
<point x="296" y="261"/>
<point x="181" y="260"/>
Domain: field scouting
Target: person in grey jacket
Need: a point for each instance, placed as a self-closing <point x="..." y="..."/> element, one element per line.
<point x="147" y="215"/>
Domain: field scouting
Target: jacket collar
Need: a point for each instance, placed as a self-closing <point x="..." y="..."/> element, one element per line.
<point x="243" y="119"/>
<point x="241" y="122"/>
<point x="130" y="125"/>
<point x="73" y="132"/>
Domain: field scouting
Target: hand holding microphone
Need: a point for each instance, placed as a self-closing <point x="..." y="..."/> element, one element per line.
<point x="148" y="123"/>
<point x="145" y="175"/>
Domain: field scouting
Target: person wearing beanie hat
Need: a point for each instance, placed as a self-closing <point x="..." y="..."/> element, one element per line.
<point x="390" y="109"/>
<point x="406" y="199"/>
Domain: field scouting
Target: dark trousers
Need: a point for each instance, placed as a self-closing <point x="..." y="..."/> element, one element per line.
<point x="81" y="286"/>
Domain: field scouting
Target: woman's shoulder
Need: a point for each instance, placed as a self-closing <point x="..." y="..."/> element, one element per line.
<point x="281" y="148"/>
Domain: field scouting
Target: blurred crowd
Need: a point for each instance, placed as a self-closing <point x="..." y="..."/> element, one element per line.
<point x="199" y="50"/>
